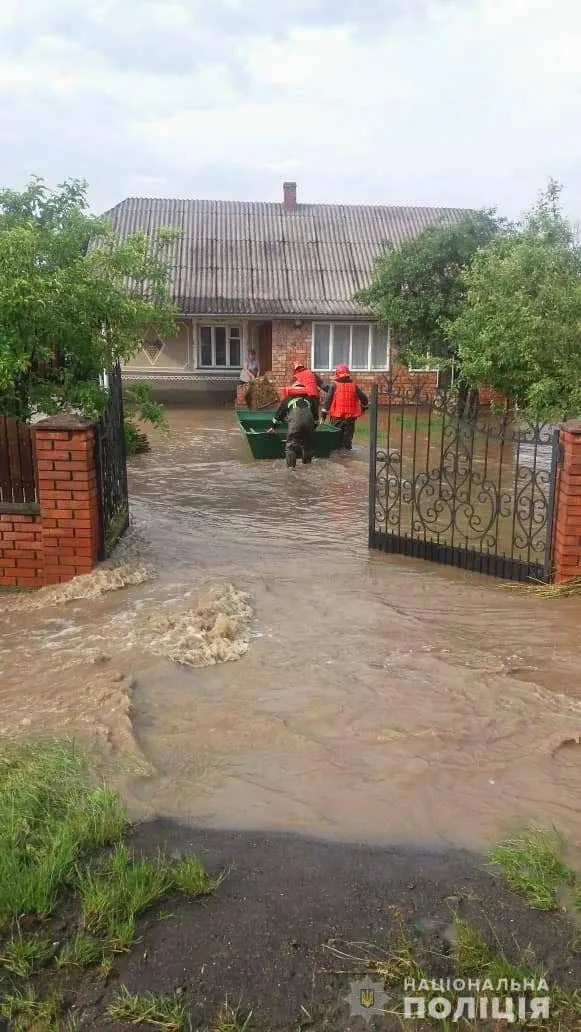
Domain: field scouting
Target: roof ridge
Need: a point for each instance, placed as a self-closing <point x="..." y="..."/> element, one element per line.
<point x="280" y="204"/>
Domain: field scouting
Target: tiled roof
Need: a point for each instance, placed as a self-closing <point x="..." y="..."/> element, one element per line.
<point x="244" y="258"/>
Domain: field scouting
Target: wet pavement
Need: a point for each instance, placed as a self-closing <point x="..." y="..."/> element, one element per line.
<point x="380" y="699"/>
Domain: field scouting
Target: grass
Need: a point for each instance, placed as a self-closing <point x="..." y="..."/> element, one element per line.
<point x="25" y="954"/>
<point x="122" y="887"/>
<point x="474" y="958"/>
<point x="190" y="877"/>
<point x="470" y="952"/>
<point x="165" y="1012"/>
<point x="118" y="890"/>
<point x="471" y="957"/>
<point x="27" y="1012"/>
<point x="397" y="422"/>
<point x="63" y="858"/>
<point x="81" y="951"/>
<point x="532" y="865"/>
<point x="402" y="962"/>
<point x="230" y="1019"/>
<point x="569" y="588"/>
<point x="50" y="818"/>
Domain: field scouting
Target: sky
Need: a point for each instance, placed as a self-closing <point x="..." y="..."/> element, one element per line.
<point x="429" y="102"/>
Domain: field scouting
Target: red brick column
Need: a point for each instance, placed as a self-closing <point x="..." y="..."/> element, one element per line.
<point x="67" y="494"/>
<point x="567" y="526"/>
<point x="290" y="344"/>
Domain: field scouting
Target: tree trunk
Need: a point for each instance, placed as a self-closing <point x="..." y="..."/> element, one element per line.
<point x="468" y="400"/>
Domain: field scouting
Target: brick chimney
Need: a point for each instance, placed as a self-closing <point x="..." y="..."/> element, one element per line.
<point x="290" y="196"/>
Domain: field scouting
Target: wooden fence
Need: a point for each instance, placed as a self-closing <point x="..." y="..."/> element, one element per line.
<point x="17" y="465"/>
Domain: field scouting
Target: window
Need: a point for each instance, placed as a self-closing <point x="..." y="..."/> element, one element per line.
<point x="429" y="367"/>
<point x="220" y="347"/>
<point x="360" y="346"/>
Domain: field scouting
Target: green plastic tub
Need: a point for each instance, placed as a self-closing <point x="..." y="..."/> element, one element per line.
<point x="254" y="425"/>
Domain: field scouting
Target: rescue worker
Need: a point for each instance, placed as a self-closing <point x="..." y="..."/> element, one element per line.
<point x="298" y="410"/>
<point x="312" y="381"/>
<point x="344" y="403"/>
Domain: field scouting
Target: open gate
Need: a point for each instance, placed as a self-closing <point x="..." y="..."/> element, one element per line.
<point x="459" y="483"/>
<point x="111" y="465"/>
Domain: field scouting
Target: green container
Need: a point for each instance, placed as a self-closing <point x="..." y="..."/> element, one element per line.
<point x="254" y="426"/>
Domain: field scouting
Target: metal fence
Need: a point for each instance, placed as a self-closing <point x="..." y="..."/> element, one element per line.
<point x="461" y="484"/>
<point x="111" y="465"/>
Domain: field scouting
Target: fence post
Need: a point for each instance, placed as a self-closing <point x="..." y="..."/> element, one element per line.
<point x="67" y="494"/>
<point x="567" y="532"/>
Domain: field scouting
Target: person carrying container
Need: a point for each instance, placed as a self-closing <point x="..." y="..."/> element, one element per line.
<point x="344" y="403"/>
<point x="298" y="409"/>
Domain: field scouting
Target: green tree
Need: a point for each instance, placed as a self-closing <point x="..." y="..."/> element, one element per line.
<point x="138" y="405"/>
<point x="74" y="299"/>
<point x="520" y="329"/>
<point x="418" y="289"/>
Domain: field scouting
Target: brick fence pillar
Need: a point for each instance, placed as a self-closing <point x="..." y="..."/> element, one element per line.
<point x="67" y="494"/>
<point x="567" y="532"/>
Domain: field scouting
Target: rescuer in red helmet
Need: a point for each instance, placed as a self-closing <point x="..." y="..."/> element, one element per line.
<point x="298" y="408"/>
<point x="313" y="383"/>
<point x="344" y="403"/>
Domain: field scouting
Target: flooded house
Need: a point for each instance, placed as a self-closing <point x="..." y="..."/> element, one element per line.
<point x="277" y="278"/>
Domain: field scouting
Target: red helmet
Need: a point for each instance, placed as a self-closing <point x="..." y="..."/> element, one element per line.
<point x="297" y="366"/>
<point x="342" y="370"/>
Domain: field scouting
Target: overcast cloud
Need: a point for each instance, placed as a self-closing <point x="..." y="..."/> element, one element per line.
<point x="447" y="102"/>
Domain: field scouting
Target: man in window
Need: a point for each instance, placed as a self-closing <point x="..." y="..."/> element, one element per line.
<point x="298" y="410"/>
<point x="344" y="403"/>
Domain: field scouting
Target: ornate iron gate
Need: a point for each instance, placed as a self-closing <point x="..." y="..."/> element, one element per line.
<point x="461" y="484"/>
<point x="111" y="464"/>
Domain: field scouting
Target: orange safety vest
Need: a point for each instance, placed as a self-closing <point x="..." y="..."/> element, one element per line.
<point x="345" y="403"/>
<point x="308" y="380"/>
<point x="294" y="392"/>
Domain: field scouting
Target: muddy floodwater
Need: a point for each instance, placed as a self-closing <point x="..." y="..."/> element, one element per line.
<point x="367" y="697"/>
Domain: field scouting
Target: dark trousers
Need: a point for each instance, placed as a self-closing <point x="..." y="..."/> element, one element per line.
<point x="315" y="407"/>
<point x="300" y="441"/>
<point x="299" y="445"/>
<point x="347" y="428"/>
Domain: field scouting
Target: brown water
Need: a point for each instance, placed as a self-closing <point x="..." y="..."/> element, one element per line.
<point x="373" y="698"/>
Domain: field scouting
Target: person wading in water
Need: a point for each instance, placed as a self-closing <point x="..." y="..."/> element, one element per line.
<point x="313" y="383"/>
<point x="344" y="403"/>
<point x="298" y="410"/>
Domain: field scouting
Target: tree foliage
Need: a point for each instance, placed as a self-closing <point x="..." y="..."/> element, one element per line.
<point x="138" y="405"/>
<point x="520" y="329"/>
<point x="417" y="289"/>
<point x="74" y="299"/>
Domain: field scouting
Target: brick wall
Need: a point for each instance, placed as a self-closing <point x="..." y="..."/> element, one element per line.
<point x="488" y="396"/>
<point x="60" y="536"/>
<point x="292" y="344"/>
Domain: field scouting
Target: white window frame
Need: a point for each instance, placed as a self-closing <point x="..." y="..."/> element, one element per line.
<point x="427" y="368"/>
<point x="228" y="327"/>
<point x="369" y="368"/>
